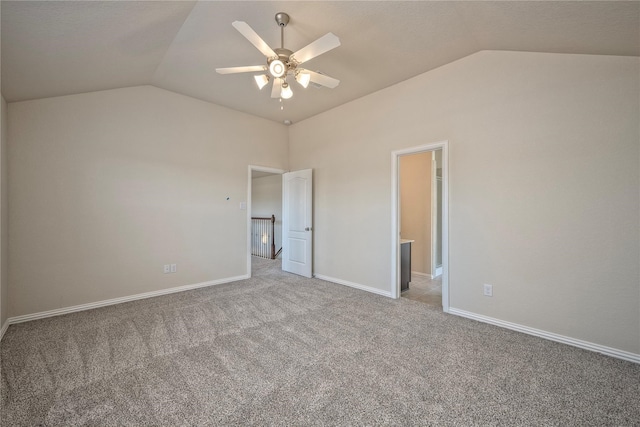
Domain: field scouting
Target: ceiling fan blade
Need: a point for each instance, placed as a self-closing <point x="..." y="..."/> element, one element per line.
<point x="254" y="38"/>
<point x="322" y="79"/>
<point x="247" y="69"/>
<point x="323" y="44"/>
<point x="277" y="88"/>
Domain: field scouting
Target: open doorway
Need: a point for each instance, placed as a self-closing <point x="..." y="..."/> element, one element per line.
<point x="419" y="224"/>
<point x="264" y="214"/>
<point x="420" y="247"/>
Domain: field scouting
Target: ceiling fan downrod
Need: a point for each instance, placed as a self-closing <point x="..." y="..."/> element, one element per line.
<point x="282" y="19"/>
<point x="281" y="65"/>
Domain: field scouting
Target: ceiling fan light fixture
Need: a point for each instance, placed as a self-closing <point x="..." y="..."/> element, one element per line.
<point x="286" y="91"/>
<point x="303" y="79"/>
<point x="277" y="68"/>
<point x="282" y="63"/>
<point x="261" y="80"/>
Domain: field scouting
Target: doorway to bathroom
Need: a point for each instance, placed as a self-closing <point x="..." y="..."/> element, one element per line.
<point x="420" y="226"/>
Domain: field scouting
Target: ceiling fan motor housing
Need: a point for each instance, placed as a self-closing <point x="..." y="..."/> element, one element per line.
<point x="280" y="66"/>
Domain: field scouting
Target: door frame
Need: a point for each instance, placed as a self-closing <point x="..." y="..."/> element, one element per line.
<point x="395" y="216"/>
<point x="434" y="218"/>
<point x="249" y="184"/>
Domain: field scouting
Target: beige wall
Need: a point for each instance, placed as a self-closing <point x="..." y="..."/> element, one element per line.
<point x="266" y="200"/>
<point x="4" y="254"/>
<point x="544" y="198"/>
<point x="415" y="208"/>
<point x="107" y="187"/>
<point x="4" y="218"/>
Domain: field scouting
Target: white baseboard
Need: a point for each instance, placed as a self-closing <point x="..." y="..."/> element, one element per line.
<point x="417" y="273"/>
<point x="89" y="306"/>
<point x="4" y="329"/>
<point x="619" y="354"/>
<point x="353" y="285"/>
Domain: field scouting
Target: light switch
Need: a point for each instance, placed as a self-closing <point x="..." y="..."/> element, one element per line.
<point x="243" y="206"/>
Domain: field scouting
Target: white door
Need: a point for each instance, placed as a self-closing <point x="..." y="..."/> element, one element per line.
<point x="297" y="230"/>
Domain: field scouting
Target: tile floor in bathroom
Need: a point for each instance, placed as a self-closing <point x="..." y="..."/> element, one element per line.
<point x="424" y="289"/>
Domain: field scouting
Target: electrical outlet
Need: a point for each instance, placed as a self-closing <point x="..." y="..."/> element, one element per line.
<point x="488" y="290"/>
<point x="167" y="268"/>
<point x="174" y="268"/>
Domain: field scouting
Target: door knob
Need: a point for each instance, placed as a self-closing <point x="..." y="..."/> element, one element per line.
<point x="307" y="229"/>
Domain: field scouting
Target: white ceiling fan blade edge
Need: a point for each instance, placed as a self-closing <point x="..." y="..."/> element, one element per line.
<point x="322" y="79"/>
<point x="247" y="69"/>
<point x="277" y="88"/>
<point x="254" y="38"/>
<point x="323" y="44"/>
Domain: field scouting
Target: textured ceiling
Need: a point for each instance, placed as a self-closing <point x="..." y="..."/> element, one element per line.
<point x="54" y="48"/>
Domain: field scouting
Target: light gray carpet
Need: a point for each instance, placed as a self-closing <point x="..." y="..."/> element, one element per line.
<point x="282" y="350"/>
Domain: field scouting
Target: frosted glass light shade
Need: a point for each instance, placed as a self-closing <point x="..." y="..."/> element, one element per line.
<point x="261" y="80"/>
<point x="303" y="79"/>
<point x="286" y="92"/>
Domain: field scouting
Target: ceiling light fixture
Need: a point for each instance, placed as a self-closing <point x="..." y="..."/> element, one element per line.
<point x="277" y="68"/>
<point x="282" y="63"/>
<point x="261" y="80"/>
<point x="303" y="79"/>
<point x="286" y="91"/>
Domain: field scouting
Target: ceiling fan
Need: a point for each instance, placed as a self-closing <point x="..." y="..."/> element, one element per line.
<point x="283" y="63"/>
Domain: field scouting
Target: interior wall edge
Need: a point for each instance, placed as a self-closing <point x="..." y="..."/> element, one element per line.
<point x="4" y="217"/>
<point x="354" y="285"/>
<point x="4" y="329"/>
<point x="120" y="300"/>
<point x="585" y="345"/>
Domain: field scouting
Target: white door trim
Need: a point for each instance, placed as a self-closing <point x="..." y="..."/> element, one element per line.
<point x="434" y="214"/>
<point x="251" y="169"/>
<point x="395" y="217"/>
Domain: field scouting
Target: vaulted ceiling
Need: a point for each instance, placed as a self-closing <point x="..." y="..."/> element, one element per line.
<point x="53" y="48"/>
